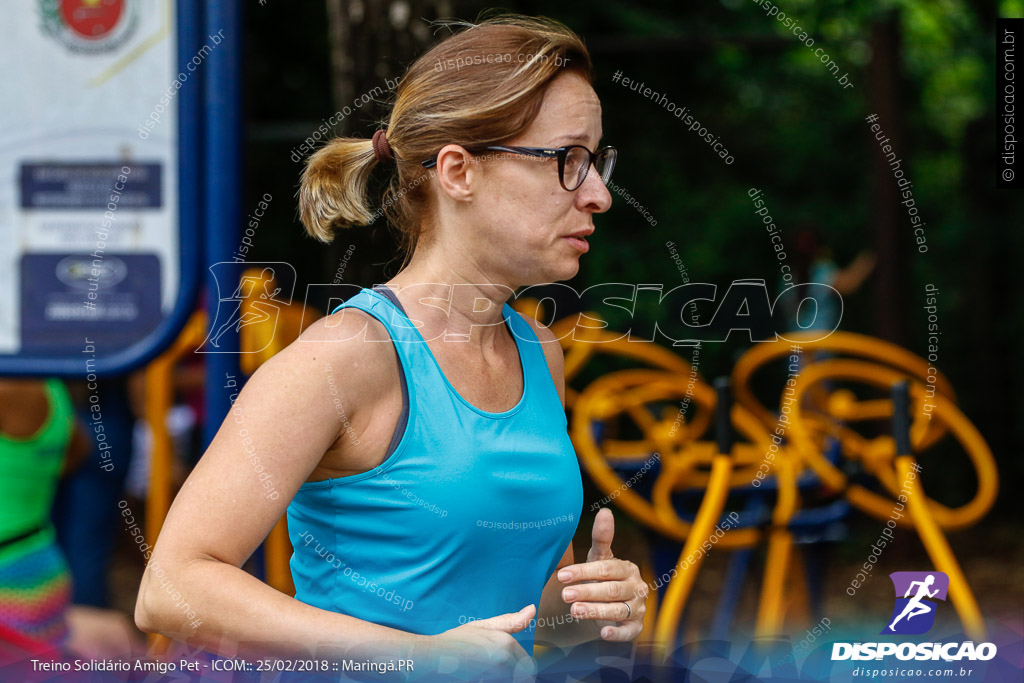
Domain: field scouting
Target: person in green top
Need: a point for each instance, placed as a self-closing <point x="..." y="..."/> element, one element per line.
<point x="38" y="440"/>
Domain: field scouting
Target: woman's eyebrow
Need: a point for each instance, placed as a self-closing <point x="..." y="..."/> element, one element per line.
<point x="573" y="137"/>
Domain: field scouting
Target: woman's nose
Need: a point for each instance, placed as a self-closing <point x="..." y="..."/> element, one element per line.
<point x="593" y="191"/>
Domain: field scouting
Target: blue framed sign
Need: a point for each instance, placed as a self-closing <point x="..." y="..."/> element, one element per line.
<point x="100" y="174"/>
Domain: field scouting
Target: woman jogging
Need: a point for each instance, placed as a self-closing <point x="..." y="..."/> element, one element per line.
<point x="417" y="435"/>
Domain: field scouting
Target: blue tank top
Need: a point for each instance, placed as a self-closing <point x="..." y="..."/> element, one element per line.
<point x="466" y="518"/>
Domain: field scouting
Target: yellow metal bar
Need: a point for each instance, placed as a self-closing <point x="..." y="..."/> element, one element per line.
<point x="703" y="527"/>
<point x="277" y="551"/>
<point x="769" y="611"/>
<point x="159" y="390"/>
<point x="780" y="547"/>
<point x="159" y="394"/>
<point x="941" y="554"/>
<point x="849" y="343"/>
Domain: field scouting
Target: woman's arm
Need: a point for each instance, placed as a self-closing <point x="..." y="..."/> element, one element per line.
<point x="279" y="427"/>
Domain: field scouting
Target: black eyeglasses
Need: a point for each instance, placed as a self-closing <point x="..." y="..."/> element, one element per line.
<point x="574" y="161"/>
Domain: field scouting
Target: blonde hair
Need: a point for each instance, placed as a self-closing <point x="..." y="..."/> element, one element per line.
<point x="503" y="66"/>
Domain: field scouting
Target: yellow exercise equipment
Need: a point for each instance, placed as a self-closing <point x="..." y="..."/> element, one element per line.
<point x="651" y="398"/>
<point x="878" y="454"/>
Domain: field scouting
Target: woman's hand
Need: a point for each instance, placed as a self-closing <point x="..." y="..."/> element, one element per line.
<point x="601" y="587"/>
<point x="486" y="644"/>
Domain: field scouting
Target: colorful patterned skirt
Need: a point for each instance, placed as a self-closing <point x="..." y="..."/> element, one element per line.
<point x="35" y="588"/>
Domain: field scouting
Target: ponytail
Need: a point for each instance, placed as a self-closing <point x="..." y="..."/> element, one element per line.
<point x="332" y="191"/>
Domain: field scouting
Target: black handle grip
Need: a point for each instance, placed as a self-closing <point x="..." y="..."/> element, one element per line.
<point x="901" y="416"/>
<point x="723" y="415"/>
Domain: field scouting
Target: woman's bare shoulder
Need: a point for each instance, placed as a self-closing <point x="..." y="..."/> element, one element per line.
<point x="351" y="341"/>
<point x="344" y="327"/>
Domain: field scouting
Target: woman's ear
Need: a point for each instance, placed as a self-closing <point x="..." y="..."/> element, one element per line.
<point x="456" y="172"/>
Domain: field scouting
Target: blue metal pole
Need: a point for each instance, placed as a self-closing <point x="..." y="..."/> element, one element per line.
<point x="223" y="69"/>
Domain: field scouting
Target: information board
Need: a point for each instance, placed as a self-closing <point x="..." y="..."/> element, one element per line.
<point x="90" y="214"/>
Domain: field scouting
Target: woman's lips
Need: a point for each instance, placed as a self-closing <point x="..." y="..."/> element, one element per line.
<point x="578" y="243"/>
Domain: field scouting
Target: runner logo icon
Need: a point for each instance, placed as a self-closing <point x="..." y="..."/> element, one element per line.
<point x="914" y="612"/>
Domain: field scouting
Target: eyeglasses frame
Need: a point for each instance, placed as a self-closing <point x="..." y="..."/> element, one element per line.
<point x="559" y="153"/>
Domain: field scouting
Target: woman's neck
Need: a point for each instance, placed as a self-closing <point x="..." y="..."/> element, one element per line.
<point x="460" y="305"/>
